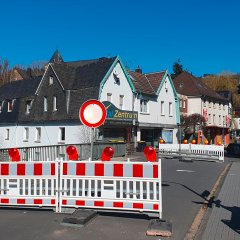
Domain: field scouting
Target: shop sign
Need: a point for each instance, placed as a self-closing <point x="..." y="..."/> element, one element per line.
<point x="117" y="114"/>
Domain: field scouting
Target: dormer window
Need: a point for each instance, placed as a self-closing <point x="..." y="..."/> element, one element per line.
<point x="28" y="106"/>
<point x="10" y="105"/>
<point x="50" y="80"/>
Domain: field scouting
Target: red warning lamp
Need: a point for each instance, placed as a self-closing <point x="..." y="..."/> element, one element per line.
<point x="150" y="154"/>
<point x="72" y="153"/>
<point x="14" y="154"/>
<point x="107" y="153"/>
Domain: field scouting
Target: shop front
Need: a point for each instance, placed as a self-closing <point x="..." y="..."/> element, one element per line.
<point x="119" y="125"/>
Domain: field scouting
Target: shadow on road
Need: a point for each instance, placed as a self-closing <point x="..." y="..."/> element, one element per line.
<point x="233" y="223"/>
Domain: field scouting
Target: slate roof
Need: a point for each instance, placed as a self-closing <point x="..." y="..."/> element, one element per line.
<point x="189" y="85"/>
<point x="82" y="74"/>
<point x="19" y="89"/>
<point x="56" y="57"/>
<point x="147" y="83"/>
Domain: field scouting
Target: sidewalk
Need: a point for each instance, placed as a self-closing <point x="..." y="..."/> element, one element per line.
<point x="224" y="221"/>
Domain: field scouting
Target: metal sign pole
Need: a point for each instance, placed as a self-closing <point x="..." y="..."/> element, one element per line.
<point x="92" y="133"/>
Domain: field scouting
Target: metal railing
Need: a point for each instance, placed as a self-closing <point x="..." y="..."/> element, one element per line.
<point x="50" y="153"/>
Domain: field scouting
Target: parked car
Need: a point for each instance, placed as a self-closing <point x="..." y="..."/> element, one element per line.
<point x="233" y="149"/>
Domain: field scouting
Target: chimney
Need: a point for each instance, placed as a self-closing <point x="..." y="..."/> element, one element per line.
<point x="138" y="70"/>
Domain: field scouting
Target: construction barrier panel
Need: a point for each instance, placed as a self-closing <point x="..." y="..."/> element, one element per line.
<point x="131" y="186"/>
<point x="29" y="184"/>
<point x="125" y="186"/>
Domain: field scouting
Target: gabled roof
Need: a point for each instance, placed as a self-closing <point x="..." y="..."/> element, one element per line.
<point x="189" y="85"/>
<point x="19" y="89"/>
<point x="147" y="83"/>
<point x="82" y="74"/>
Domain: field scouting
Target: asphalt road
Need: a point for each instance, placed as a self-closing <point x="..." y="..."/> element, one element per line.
<point x="183" y="184"/>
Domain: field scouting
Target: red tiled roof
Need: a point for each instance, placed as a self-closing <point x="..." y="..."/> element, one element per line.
<point x="147" y="83"/>
<point x="189" y="85"/>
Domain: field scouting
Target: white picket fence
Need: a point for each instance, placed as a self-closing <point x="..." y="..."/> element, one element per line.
<point x="204" y="152"/>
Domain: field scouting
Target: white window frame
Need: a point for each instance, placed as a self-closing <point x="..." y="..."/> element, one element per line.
<point x="209" y="118"/>
<point x="143" y="106"/>
<point x="38" y="134"/>
<point x="170" y="109"/>
<point x="28" y="106"/>
<point x="204" y="103"/>
<point x="184" y="103"/>
<point x="10" y="105"/>
<point x="26" y="134"/>
<point x="224" y="107"/>
<point x="121" y="102"/>
<point x="45" y="104"/>
<point x="220" y="106"/>
<point x="162" y="108"/>
<point x="180" y="103"/>
<point x="220" y="119"/>
<point x="109" y="97"/>
<point x="50" y="80"/>
<point x="7" y="134"/>
<point x="209" y="104"/>
<point x="54" y="103"/>
<point x="214" y="119"/>
<point x="62" y="134"/>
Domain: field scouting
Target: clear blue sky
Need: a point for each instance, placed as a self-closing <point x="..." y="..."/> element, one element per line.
<point x="204" y="34"/>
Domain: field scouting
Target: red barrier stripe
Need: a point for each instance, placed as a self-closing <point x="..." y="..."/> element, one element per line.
<point x="81" y="169"/>
<point x="138" y="205"/>
<point x="80" y="202"/>
<point x="137" y="170"/>
<point x="37" y="169"/>
<point x="98" y="203"/>
<point x="118" y="204"/>
<point x="155" y="171"/>
<point x="118" y="170"/>
<point x="21" y="201"/>
<point x="65" y="169"/>
<point x="155" y="207"/>
<point x="64" y="202"/>
<point x="53" y="169"/>
<point x="53" y="202"/>
<point x="4" y="169"/>
<point x="21" y="169"/>
<point x="99" y="169"/>
<point x="4" y="200"/>
<point x="37" y="201"/>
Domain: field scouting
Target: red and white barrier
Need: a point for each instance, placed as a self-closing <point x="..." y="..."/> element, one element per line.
<point x="111" y="185"/>
<point x="126" y="186"/>
<point x="29" y="183"/>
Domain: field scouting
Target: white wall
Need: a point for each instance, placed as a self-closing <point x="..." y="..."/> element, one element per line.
<point x="116" y="90"/>
<point x="154" y="107"/>
<point x="74" y="133"/>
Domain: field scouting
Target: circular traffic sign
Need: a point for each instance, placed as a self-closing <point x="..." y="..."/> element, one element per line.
<point x="92" y="113"/>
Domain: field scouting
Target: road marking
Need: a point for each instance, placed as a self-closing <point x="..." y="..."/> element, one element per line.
<point x="183" y="170"/>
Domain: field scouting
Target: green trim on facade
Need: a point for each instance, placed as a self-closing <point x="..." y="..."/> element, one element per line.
<point x="118" y="59"/>
<point x="174" y="92"/>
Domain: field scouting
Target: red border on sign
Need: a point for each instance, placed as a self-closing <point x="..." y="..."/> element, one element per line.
<point x="83" y="107"/>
